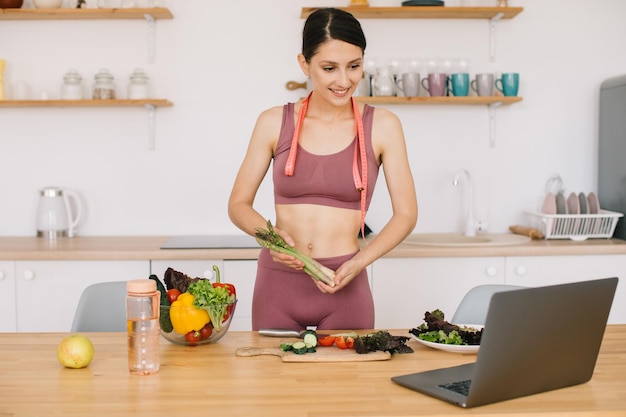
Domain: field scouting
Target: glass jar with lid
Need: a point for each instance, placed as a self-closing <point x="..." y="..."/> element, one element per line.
<point x="103" y="86"/>
<point x="72" y="87"/>
<point x="383" y="83"/>
<point x="138" y="85"/>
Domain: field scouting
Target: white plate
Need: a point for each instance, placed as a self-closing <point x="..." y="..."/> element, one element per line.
<point x="549" y="204"/>
<point x="573" y="205"/>
<point x="594" y="204"/>
<point x="467" y="349"/>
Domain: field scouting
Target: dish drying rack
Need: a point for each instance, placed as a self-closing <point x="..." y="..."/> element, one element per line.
<point x="575" y="226"/>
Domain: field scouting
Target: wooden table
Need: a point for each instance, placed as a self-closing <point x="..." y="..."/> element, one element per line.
<point x="211" y="381"/>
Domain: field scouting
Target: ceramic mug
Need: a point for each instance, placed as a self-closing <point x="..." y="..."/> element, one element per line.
<point x="459" y="84"/>
<point x="483" y="84"/>
<point x="436" y="84"/>
<point x="409" y="84"/>
<point x="508" y="83"/>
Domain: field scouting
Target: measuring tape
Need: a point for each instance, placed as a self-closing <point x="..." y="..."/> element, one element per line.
<point x="359" y="176"/>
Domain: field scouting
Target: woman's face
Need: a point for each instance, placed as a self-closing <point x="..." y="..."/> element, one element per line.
<point x="335" y="70"/>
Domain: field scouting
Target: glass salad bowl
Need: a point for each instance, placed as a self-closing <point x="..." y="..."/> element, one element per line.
<point x="192" y="326"/>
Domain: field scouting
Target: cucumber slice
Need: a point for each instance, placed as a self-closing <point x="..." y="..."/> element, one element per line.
<point x="299" y="348"/>
<point x="285" y="347"/>
<point x="310" y="338"/>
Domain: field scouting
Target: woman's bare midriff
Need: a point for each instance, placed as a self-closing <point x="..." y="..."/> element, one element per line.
<point x="320" y="231"/>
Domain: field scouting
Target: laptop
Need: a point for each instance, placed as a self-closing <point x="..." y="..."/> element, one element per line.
<point x="534" y="340"/>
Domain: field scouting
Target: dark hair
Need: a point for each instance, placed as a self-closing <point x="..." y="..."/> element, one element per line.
<point x="329" y="23"/>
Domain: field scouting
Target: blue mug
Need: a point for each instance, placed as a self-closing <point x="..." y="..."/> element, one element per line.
<point x="459" y="84"/>
<point x="508" y="84"/>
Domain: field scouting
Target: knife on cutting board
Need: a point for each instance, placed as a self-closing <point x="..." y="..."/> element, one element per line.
<point x="298" y="333"/>
<point x="286" y="333"/>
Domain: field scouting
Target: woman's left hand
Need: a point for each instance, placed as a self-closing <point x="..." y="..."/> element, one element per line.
<point x="343" y="275"/>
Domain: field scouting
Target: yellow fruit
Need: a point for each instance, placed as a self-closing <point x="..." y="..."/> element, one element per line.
<point x="75" y="351"/>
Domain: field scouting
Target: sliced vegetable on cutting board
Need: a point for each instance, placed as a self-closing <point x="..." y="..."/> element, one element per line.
<point x="339" y="347"/>
<point x="329" y="354"/>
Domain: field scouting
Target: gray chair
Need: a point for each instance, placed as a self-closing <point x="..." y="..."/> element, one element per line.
<point x="101" y="308"/>
<point x="473" y="307"/>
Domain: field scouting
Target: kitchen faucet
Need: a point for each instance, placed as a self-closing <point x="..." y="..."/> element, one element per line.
<point x="470" y="222"/>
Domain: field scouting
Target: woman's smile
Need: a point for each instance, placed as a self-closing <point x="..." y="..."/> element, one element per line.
<point x="340" y="93"/>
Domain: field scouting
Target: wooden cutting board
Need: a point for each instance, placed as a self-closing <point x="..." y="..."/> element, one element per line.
<point x="322" y="354"/>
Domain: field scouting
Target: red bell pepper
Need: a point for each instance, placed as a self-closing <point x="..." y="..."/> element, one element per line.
<point x="217" y="283"/>
<point x="229" y="287"/>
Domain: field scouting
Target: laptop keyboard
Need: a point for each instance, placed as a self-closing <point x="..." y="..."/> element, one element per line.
<point x="460" y="387"/>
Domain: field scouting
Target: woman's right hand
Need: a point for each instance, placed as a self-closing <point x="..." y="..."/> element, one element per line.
<point x="283" y="258"/>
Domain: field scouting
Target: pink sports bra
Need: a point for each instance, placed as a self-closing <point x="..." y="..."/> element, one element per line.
<point x="322" y="179"/>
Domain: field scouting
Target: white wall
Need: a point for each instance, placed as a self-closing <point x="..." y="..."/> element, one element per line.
<point x="222" y="62"/>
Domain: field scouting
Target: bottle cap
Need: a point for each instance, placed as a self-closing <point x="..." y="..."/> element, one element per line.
<point x="141" y="286"/>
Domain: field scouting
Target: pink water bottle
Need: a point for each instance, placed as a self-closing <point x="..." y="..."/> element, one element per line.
<point x="142" y="314"/>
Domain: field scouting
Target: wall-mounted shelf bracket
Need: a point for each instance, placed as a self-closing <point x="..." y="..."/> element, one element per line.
<point x="151" y="37"/>
<point x="151" y="125"/>
<point x="150" y="105"/>
<point x="492" y="123"/>
<point x="493" y="22"/>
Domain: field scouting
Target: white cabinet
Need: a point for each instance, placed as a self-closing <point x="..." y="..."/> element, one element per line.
<point x="8" y="321"/>
<point x="47" y="292"/>
<point x="405" y="288"/>
<point x="42" y="295"/>
<point x="535" y="271"/>
<point x="242" y="274"/>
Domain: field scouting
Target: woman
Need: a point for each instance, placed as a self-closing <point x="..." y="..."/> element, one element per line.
<point x="324" y="179"/>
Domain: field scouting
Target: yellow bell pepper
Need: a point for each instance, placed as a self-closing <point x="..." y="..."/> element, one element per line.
<point x="185" y="317"/>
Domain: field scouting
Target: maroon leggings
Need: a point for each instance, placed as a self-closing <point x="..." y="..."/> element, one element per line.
<point x="285" y="298"/>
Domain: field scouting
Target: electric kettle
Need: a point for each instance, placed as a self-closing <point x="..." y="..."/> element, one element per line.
<point x="58" y="213"/>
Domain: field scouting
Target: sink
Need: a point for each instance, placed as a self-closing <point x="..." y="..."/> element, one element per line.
<point x="460" y="240"/>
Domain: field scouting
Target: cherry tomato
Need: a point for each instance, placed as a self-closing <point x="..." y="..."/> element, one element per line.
<point x="340" y="342"/>
<point x="326" y="341"/>
<point x="172" y="295"/>
<point x="206" y="331"/>
<point x="193" y="337"/>
<point x="350" y="342"/>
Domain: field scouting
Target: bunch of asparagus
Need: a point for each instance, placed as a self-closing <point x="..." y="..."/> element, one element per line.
<point x="268" y="238"/>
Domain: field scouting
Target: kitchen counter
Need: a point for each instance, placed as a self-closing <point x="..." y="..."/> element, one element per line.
<point x="212" y="381"/>
<point x="149" y="247"/>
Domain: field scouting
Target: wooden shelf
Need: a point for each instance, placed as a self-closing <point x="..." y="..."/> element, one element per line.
<point x="85" y="14"/>
<point x="86" y="103"/>
<point x="425" y="12"/>
<point x="440" y="100"/>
